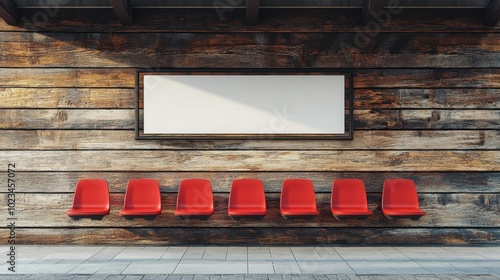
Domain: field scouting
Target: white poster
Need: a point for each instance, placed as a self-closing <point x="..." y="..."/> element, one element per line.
<point x="244" y="104"/>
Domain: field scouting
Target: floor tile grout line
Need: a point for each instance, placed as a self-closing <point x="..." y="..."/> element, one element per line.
<point x="163" y="254"/>
<point x="342" y="257"/>
<point x="411" y="259"/>
<point x="295" y="258"/>
<point x="180" y="259"/>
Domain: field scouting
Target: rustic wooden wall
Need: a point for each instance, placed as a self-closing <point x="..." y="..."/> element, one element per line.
<point x="427" y="107"/>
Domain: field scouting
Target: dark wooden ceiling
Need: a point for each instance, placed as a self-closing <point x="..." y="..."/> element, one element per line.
<point x="124" y="9"/>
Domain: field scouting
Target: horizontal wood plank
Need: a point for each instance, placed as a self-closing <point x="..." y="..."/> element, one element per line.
<point x="426" y="182"/>
<point x="67" y="78"/>
<point x="443" y="210"/>
<point x="363" y="140"/>
<point x="255" y="236"/>
<point x="426" y="78"/>
<point x="323" y="50"/>
<point x="364" y="99"/>
<point x="369" y="99"/>
<point x="253" y="160"/>
<point x="51" y="98"/>
<point x="426" y="119"/>
<point x="363" y="78"/>
<point x="290" y="20"/>
<point x="68" y="119"/>
<point x="363" y="119"/>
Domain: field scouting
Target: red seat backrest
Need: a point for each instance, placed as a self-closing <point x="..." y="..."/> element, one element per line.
<point x="349" y="193"/>
<point x="399" y="193"/>
<point x="247" y="193"/>
<point x="143" y="193"/>
<point x="195" y="193"/>
<point x="298" y="193"/>
<point x="91" y="193"/>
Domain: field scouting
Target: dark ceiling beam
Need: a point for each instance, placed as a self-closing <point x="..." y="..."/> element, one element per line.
<point x="492" y="13"/>
<point x="252" y="16"/>
<point x="372" y="7"/>
<point x="9" y="12"/>
<point x="123" y="10"/>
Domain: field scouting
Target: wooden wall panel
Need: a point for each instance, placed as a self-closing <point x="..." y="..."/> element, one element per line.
<point x="426" y="107"/>
<point x="443" y="210"/>
<point x="335" y="50"/>
<point x="363" y="140"/>
<point x="144" y="160"/>
<point x="364" y="78"/>
<point x="256" y="236"/>
<point x="207" y="21"/>
<point x="426" y="182"/>
<point x="364" y="99"/>
<point x="363" y="119"/>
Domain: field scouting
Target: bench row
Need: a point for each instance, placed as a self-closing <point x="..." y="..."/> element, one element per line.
<point x="247" y="198"/>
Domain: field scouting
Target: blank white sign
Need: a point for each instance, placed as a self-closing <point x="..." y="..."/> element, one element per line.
<point x="244" y="104"/>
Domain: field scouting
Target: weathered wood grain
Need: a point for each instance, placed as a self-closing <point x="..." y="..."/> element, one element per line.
<point x="363" y="78"/>
<point x="427" y="78"/>
<point x="68" y="119"/>
<point x="426" y="119"/>
<point x="364" y="99"/>
<point x="67" y="78"/>
<point x="426" y="182"/>
<point x="323" y="50"/>
<point x="369" y="99"/>
<point x="51" y="98"/>
<point x="289" y="20"/>
<point x="363" y="119"/>
<point x="443" y="210"/>
<point x="363" y="140"/>
<point x="153" y="161"/>
<point x="255" y="236"/>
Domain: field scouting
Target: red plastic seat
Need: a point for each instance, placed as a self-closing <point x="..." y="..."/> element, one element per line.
<point x="349" y="199"/>
<point x="247" y="198"/>
<point x="195" y="198"/>
<point x="142" y="198"/>
<point x="91" y="198"/>
<point x="400" y="199"/>
<point x="298" y="198"/>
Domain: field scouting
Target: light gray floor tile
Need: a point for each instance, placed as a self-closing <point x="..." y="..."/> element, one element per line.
<point x="211" y="267"/>
<point x="174" y="253"/>
<point x="232" y="277"/>
<point x="141" y="253"/>
<point x="87" y="268"/>
<point x="155" y="277"/>
<point x="286" y="267"/>
<point x="305" y="253"/>
<point x="256" y="277"/>
<point x="260" y="267"/>
<point x="158" y="267"/>
<point x="236" y="253"/>
<point x="367" y="267"/>
<point x="133" y="277"/>
<point x="325" y="267"/>
<point x="215" y="253"/>
<point x="442" y="267"/>
<point x="106" y="254"/>
<point x="260" y="253"/>
<point x="113" y="267"/>
<point x="194" y="253"/>
<point x="45" y="268"/>
<point x="281" y="254"/>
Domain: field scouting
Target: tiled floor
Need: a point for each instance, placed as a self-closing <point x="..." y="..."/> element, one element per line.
<point x="102" y="262"/>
